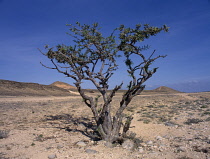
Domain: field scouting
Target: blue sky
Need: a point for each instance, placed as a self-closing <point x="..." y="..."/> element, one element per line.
<point x="26" y="25"/>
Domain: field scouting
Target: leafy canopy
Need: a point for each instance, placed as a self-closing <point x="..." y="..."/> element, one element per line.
<point x="91" y="49"/>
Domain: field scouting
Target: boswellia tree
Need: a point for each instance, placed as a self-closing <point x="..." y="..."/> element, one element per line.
<point x="94" y="57"/>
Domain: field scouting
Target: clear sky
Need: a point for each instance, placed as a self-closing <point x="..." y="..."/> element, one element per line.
<point x="26" y="25"/>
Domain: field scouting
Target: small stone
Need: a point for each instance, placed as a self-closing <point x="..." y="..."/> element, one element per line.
<point x="176" y="126"/>
<point x="160" y="149"/>
<point x="128" y="144"/>
<point x="159" y="138"/>
<point x="131" y="134"/>
<point x="181" y="149"/>
<point x="101" y="142"/>
<point x="143" y="144"/>
<point x="155" y="147"/>
<point x="141" y="150"/>
<point x="81" y="126"/>
<point x="59" y="146"/>
<point x="81" y="144"/>
<point x="170" y="124"/>
<point x="52" y="156"/>
<point x="149" y="143"/>
<point x="109" y="144"/>
<point x="48" y="148"/>
<point x="90" y="151"/>
<point x="166" y="137"/>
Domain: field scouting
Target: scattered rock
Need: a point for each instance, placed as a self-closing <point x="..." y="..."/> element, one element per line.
<point x="176" y="118"/>
<point x="149" y="143"/>
<point x="130" y="134"/>
<point x="199" y="149"/>
<point x="161" y="148"/>
<point x="159" y="138"/>
<point x="49" y="147"/>
<point x="181" y="149"/>
<point x="101" y="142"/>
<point x="60" y="146"/>
<point x="81" y="144"/>
<point x="128" y="144"/>
<point x="170" y="124"/>
<point x="90" y="151"/>
<point x="81" y="126"/>
<point x="109" y="144"/>
<point x="141" y="150"/>
<point x="155" y="147"/>
<point x="52" y="156"/>
<point x="185" y="142"/>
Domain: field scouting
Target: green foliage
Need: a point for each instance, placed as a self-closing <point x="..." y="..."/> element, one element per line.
<point x="204" y="106"/>
<point x="33" y="144"/>
<point x="4" y="134"/>
<point x="88" y="39"/>
<point x="193" y="121"/>
<point x="91" y="46"/>
<point x="146" y="121"/>
<point x="128" y="62"/>
<point x="130" y="37"/>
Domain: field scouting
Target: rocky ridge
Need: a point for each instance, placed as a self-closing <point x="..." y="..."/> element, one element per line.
<point x="13" y="88"/>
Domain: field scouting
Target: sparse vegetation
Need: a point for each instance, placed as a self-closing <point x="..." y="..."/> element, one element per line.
<point x="193" y="121"/>
<point x="130" y="109"/>
<point x="204" y="106"/>
<point x="184" y="157"/>
<point x="33" y="144"/>
<point x="206" y="113"/>
<point x="146" y="121"/>
<point x="207" y="119"/>
<point x="4" y="134"/>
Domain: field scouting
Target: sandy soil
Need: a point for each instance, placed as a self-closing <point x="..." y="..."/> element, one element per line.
<point x="170" y="126"/>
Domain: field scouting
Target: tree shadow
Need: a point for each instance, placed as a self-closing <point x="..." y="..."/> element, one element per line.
<point x="90" y="129"/>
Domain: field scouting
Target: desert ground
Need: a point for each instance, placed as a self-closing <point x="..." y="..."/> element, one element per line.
<point x="165" y="126"/>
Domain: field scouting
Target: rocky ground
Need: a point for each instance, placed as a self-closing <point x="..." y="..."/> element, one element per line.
<point x="170" y="126"/>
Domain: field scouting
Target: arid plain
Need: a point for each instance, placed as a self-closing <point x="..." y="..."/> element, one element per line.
<point x="41" y="122"/>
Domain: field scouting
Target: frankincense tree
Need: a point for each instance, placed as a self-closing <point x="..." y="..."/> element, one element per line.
<point x="93" y="57"/>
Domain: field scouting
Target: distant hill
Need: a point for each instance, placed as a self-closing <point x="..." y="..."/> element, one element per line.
<point x="13" y="88"/>
<point x="161" y="89"/>
<point x="63" y="85"/>
<point x="166" y="89"/>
